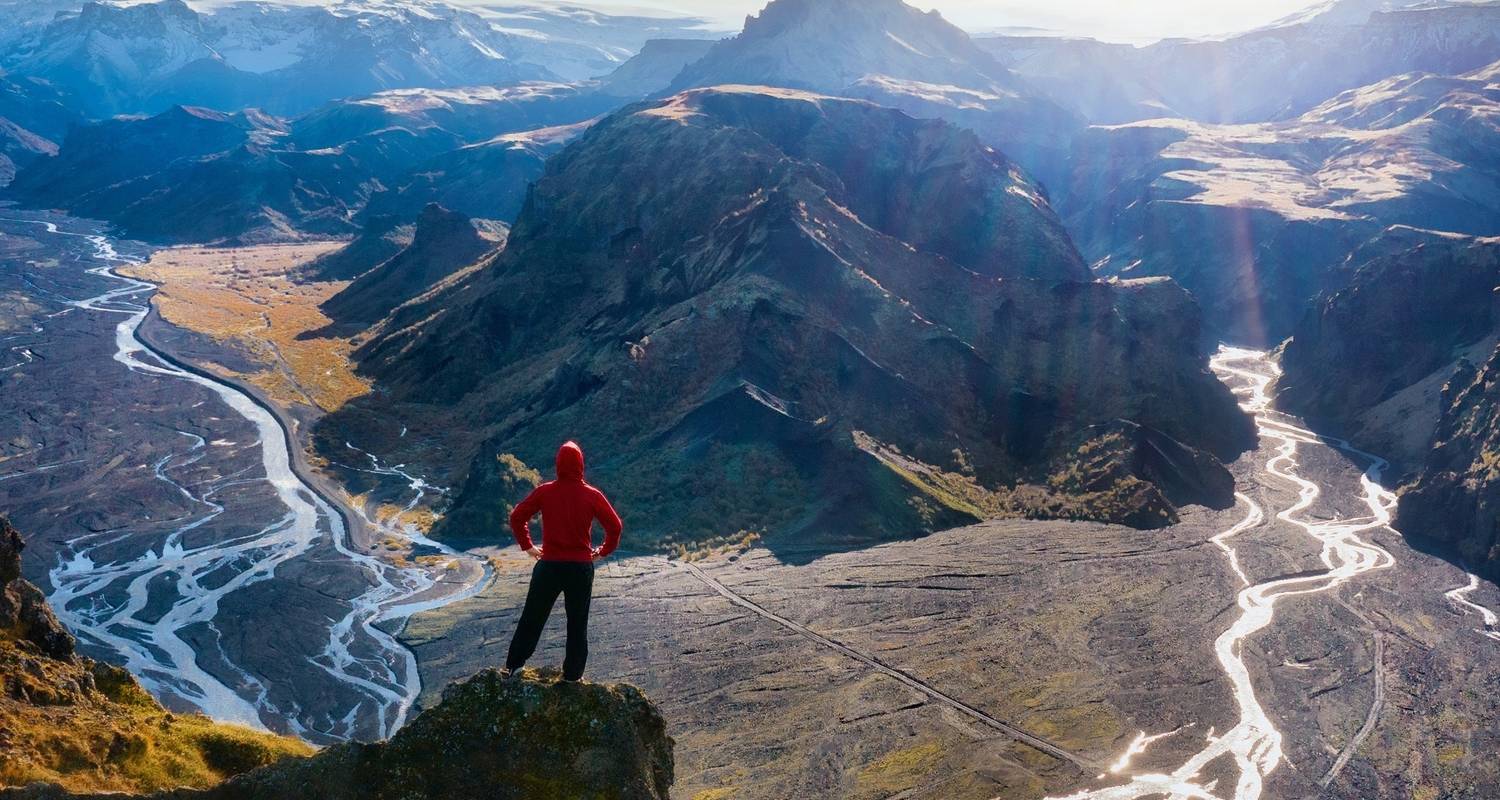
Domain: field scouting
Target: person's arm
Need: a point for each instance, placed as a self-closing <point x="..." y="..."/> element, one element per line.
<point x="605" y="513"/>
<point x="520" y="522"/>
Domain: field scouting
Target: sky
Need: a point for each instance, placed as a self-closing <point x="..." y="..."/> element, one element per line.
<point x="1112" y="20"/>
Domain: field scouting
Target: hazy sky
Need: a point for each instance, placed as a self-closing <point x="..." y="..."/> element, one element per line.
<point x="1120" y="20"/>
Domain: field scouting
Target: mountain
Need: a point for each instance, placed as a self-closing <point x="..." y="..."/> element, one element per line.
<point x="289" y="58"/>
<point x="380" y="237"/>
<point x="37" y="107"/>
<point x="1273" y="73"/>
<point x="654" y="68"/>
<point x="467" y="114"/>
<point x="18" y="148"/>
<point x="728" y="298"/>
<point x="829" y="45"/>
<point x="488" y="180"/>
<point x="890" y="53"/>
<point x="444" y="242"/>
<point x="96" y="157"/>
<point x="1401" y="361"/>
<point x="1257" y="220"/>
<point x="194" y="175"/>
<point x="90" y="726"/>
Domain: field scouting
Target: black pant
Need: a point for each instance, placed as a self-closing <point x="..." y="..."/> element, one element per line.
<point x="575" y="581"/>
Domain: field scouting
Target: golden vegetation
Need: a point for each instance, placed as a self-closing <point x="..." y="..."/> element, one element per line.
<point x="698" y="550"/>
<point x="243" y="297"/>
<point x="1082" y="488"/>
<point x="899" y="770"/>
<point x="112" y="736"/>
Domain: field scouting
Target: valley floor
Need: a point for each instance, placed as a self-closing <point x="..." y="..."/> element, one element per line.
<point x="1096" y="639"/>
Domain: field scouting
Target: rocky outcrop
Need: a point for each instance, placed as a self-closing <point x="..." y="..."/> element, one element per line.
<point x="743" y="299"/>
<point x="75" y="723"/>
<point x="444" y="243"/>
<point x="24" y="613"/>
<point x="74" y="728"/>
<point x="491" y="738"/>
<point x="1455" y="499"/>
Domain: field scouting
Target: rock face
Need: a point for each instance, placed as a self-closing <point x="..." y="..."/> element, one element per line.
<point x="24" y="612"/>
<point x="1406" y="318"/>
<point x="893" y="54"/>
<point x="1276" y="72"/>
<point x="1402" y="362"/>
<point x="89" y="726"/>
<point x="729" y="298"/>
<point x="1456" y="498"/>
<point x="490" y="738"/>
<point x="444" y="243"/>
<point x="1257" y="220"/>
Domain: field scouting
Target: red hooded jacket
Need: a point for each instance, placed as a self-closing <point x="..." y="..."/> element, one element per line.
<point x="569" y="507"/>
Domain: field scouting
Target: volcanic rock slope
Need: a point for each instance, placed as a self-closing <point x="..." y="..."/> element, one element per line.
<point x="777" y="311"/>
<point x="1257" y="220"/>
<point x="893" y="54"/>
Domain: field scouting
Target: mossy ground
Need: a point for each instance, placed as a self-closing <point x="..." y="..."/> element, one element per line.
<point x="95" y="729"/>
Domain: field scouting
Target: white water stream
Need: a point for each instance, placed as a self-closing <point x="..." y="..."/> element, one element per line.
<point x="1252" y="748"/>
<point x="1460" y="597"/>
<point x="360" y="655"/>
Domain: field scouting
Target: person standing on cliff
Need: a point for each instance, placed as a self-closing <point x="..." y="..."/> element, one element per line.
<point x="565" y="561"/>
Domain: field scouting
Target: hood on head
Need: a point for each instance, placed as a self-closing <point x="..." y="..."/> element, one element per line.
<point x="570" y="462"/>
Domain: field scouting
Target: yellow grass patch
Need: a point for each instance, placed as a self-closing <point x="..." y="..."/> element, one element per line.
<point x="114" y="737"/>
<point x="899" y="769"/>
<point x="242" y="296"/>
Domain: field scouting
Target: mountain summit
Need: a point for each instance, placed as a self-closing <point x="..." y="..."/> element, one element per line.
<point x="830" y="45"/>
<point x="893" y="54"/>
